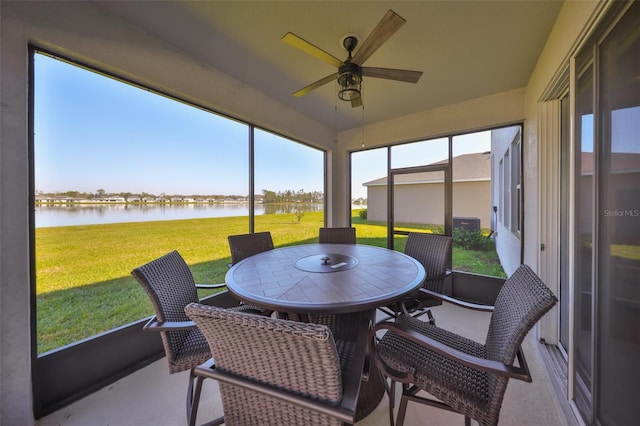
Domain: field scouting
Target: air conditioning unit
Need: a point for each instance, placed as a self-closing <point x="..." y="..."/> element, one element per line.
<point x="468" y="223"/>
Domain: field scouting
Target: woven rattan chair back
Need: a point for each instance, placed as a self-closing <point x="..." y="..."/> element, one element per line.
<point x="170" y="287"/>
<point x="292" y="356"/>
<point x="245" y="245"/>
<point x="434" y="253"/>
<point x="522" y="301"/>
<point x="337" y="235"/>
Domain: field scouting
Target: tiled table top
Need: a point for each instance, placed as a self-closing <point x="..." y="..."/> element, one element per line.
<point x="354" y="278"/>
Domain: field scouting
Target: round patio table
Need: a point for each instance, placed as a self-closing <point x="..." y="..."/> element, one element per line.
<point x="331" y="284"/>
<point x="325" y="278"/>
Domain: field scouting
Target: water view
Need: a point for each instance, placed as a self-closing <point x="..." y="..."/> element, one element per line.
<point x="79" y="214"/>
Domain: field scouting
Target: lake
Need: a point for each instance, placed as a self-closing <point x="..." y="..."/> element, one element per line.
<point x="91" y="214"/>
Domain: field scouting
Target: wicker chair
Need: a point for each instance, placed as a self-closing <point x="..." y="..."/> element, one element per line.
<point x="337" y="235"/>
<point x="170" y="286"/>
<point x="465" y="376"/>
<point x="344" y="328"/>
<point x="245" y="245"/>
<point x="434" y="253"/>
<point x="279" y="372"/>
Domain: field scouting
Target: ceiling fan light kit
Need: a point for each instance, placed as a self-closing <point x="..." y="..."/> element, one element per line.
<point x="349" y="80"/>
<point x="350" y="71"/>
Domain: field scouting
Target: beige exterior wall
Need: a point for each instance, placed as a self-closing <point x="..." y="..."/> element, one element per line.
<point x="426" y="202"/>
<point x="377" y="203"/>
<point x="473" y="199"/>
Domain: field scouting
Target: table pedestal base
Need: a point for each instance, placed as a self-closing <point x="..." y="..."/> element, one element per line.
<point x="371" y="393"/>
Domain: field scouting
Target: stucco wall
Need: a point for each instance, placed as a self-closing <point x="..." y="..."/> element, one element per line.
<point x="507" y="242"/>
<point x="425" y="202"/>
<point x="473" y="199"/>
<point x="573" y="22"/>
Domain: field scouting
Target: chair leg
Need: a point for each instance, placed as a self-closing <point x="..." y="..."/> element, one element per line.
<point x="467" y="421"/>
<point x="193" y="398"/>
<point x="432" y="320"/>
<point x="402" y="409"/>
<point x="427" y="311"/>
<point x="392" y="401"/>
<point x="192" y="377"/>
<point x="389" y="314"/>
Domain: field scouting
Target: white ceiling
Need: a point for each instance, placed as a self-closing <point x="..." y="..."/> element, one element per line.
<point x="466" y="49"/>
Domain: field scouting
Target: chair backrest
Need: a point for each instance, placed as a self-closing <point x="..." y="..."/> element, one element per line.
<point x="520" y="304"/>
<point x="170" y="286"/>
<point x="271" y="351"/>
<point x="245" y="245"/>
<point x="337" y="235"/>
<point x="433" y="252"/>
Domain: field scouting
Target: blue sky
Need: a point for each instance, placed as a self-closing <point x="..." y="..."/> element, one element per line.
<point x="93" y="132"/>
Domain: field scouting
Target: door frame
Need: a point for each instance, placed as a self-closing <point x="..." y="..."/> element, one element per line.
<point x="448" y="196"/>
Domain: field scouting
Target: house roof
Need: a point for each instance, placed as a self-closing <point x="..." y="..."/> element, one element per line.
<point x="466" y="168"/>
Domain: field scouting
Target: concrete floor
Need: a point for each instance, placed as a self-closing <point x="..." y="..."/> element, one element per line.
<point x="151" y="396"/>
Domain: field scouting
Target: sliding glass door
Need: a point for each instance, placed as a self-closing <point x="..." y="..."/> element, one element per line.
<point x="607" y="321"/>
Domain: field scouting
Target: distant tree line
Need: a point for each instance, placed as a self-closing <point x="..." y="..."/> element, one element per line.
<point x="288" y="196"/>
<point x="291" y="196"/>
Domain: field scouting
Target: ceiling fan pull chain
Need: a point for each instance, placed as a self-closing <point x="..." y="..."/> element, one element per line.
<point x="363" y="125"/>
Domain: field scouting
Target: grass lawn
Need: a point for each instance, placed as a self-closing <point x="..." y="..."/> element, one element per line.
<point x="83" y="273"/>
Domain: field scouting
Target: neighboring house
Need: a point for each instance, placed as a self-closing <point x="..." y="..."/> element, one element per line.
<point x="424" y="193"/>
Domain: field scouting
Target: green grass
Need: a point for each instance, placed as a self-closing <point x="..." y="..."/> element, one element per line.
<point x="84" y="284"/>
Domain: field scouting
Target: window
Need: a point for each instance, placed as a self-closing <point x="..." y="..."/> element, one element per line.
<point x="289" y="181"/>
<point x="607" y="220"/>
<point x="510" y="178"/>
<point x="506" y="191"/>
<point x="501" y="185"/>
<point x="431" y="192"/>
<point x="368" y="187"/>
<point x="123" y="175"/>
<point x="516" y="186"/>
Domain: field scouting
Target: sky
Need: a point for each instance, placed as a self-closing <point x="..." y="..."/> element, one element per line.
<point x="93" y="132"/>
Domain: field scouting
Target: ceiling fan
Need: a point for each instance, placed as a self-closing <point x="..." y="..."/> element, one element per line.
<point x="351" y="71"/>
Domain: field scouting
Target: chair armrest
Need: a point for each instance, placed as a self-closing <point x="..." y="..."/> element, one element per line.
<point x="438" y="277"/>
<point x="336" y="411"/>
<point x="494" y="367"/>
<point x="210" y="286"/>
<point x="458" y="302"/>
<point x="154" y="325"/>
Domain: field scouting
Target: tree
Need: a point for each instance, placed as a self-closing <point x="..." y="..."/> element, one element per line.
<point x="299" y="199"/>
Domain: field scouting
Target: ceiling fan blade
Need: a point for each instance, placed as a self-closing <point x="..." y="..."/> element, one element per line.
<point x="311" y="49"/>
<point x="356" y="102"/>
<point x="392" y="74"/>
<point x="315" y="85"/>
<point x="388" y="25"/>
